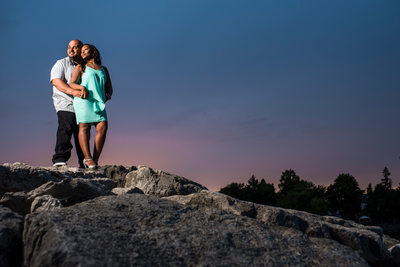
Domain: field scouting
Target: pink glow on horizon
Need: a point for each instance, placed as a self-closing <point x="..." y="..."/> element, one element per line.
<point x="210" y="164"/>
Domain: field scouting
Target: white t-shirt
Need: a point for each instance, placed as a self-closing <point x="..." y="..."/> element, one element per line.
<point x="63" y="70"/>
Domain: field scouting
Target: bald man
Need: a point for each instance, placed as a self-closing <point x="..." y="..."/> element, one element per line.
<point x="63" y="96"/>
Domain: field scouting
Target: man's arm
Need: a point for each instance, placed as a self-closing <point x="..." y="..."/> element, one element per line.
<point x="63" y="87"/>
<point x="56" y="74"/>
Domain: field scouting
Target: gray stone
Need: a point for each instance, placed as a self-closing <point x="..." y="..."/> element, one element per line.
<point x="45" y="202"/>
<point x="389" y="241"/>
<point x="17" y="201"/>
<point x="68" y="191"/>
<point x="191" y="226"/>
<point x="395" y="252"/>
<point x="123" y="191"/>
<point x="22" y="177"/>
<point x="11" y="225"/>
<point x="116" y="173"/>
<point x="366" y="240"/>
<point x="74" y="190"/>
<point x="160" y="183"/>
<point x="142" y="230"/>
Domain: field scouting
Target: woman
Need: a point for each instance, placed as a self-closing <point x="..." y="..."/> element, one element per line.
<point x="90" y="109"/>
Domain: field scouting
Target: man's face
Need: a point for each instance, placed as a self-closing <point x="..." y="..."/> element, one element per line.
<point x="73" y="49"/>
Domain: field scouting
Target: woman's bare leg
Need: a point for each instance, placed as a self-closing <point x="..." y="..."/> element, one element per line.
<point x="84" y="136"/>
<point x="101" y="132"/>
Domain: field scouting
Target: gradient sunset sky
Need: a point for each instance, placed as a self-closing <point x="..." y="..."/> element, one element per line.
<point x="216" y="91"/>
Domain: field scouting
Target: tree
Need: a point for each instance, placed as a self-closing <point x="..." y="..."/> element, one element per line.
<point x="289" y="179"/>
<point x="369" y="189"/>
<point x="260" y="192"/>
<point x="386" y="182"/>
<point x="234" y="190"/>
<point x="299" y="194"/>
<point x="252" y="183"/>
<point x="383" y="203"/>
<point x="255" y="191"/>
<point x="345" y="195"/>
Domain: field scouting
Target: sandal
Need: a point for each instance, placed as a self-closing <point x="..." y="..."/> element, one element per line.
<point x="89" y="166"/>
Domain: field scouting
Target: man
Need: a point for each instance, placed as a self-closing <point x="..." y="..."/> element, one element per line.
<point x="63" y="96"/>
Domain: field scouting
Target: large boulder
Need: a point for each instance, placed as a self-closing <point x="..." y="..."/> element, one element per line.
<point x="395" y="252"/>
<point x="74" y="190"/>
<point x="17" y="201"/>
<point x="120" y="216"/>
<point x="142" y="230"/>
<point x="128" y="190"/>
<point x="66" y="192"/>
<point x="160" y="183"/>
<point x="45" y="202"/>
<point x="22" y="177"/>
<point x="365" y="239"/>
<point x="116" y="173"/>
<point x="11" y="226"/>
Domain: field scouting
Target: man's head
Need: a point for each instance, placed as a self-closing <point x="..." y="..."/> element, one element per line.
<point x="74" y="49"/>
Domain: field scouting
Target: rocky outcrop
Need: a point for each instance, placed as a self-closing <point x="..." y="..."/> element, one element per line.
<point x="129" y="190"/>
<point x="367" y="240"/>
<point x="160" y="183"/>
<point x="17" y="201"/>
<point x="125" y="216"/>
<point x="22" y="177"/>
<point x="11" y="225"/>
<point x="395" y="252"/>
<point x="116" y="173"/>
<point x="74" y="190"/>
<point x="66" y="192"/>
<point x="45" y="202"/>
<point x="140" y="230"/>
<point x="389" y="242"/>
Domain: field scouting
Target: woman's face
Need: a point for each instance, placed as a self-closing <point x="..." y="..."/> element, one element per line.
<point x="85" y="52"/>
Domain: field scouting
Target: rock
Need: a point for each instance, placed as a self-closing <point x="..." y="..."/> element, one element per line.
<point x="22" y="177"/>
<point x="45" y="202"/>
<point x="123" y="191"/>
<point x="18" y="202"/>
<point x="74" y="190"/>
<point x="80" y="218"/>
<point x="367" y="240"/>
<point x="161" y="184"/>
<point x="142" y="230"/>
<point x="68" y="191"/>
<point x="11" y="225"/>
<point x="389" y="241"/>
<point x="395" y="252"/>
<point x="116" y="173"/>
<point x="360" y="238"/>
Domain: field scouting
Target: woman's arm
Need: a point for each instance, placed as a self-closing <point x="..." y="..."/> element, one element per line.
<point x="108" y="86"/>
<point x="73" y="82"/>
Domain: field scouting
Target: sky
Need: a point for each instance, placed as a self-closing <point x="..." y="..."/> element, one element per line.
<point x="216" y="91"/>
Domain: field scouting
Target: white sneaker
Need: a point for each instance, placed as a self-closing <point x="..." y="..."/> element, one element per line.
<point x="59" y="164"/>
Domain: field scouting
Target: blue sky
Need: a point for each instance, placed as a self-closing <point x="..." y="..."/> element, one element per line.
<point x="217" y="90"/>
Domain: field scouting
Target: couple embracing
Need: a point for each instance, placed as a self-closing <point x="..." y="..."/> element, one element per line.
<point x="81" y="87"/>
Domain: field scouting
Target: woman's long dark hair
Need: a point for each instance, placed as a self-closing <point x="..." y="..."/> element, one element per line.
<point x="93" y="53"/>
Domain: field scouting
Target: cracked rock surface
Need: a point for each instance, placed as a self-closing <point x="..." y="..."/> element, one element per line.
<point x="139" y="216"/>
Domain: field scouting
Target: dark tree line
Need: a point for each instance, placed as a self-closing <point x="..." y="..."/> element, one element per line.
<point x="383" y="202"/>
<point x="342" y="198"/>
